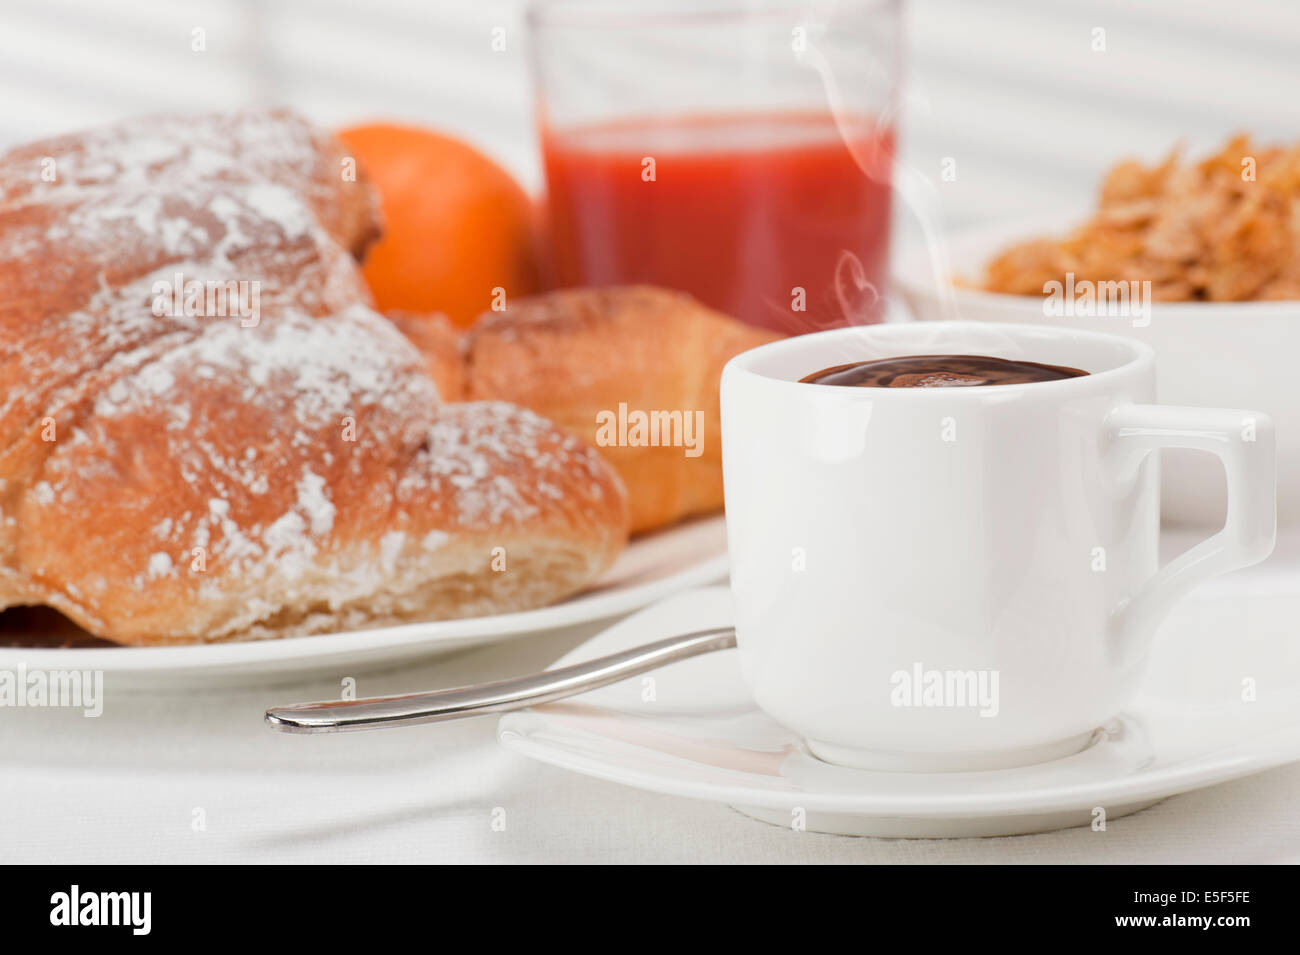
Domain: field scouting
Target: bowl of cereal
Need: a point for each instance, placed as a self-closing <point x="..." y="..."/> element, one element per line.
<point x="1200" y="259"/>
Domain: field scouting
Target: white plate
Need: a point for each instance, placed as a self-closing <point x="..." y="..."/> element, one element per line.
<point x="648" y="569"/>
<point x="702" y="736"/>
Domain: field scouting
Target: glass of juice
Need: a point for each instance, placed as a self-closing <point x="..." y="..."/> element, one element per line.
<point x="738" y="150"/>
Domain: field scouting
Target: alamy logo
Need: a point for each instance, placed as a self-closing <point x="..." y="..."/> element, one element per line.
<point x="76" y="689"/>
<point x="651" y="429"/>
<point x="75" y="907"/>
<point x="955" y="689"/>
<point x="1088" y="299"/>
<point x="196" y="299"/>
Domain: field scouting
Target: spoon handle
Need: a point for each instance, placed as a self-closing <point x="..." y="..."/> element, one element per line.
<point x="337" y="716"/>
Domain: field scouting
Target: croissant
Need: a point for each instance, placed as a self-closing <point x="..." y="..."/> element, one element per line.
<point x="602" y="362"/>
<point x="285" y="466"/>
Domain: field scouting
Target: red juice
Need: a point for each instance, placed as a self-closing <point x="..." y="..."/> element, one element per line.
<point x="780" y="219"/>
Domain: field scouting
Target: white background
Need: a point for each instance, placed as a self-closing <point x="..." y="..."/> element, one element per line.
<point x="1011" y="89"/>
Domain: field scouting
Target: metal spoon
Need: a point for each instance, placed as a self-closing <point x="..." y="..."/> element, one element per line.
<point x="338" y="716"/>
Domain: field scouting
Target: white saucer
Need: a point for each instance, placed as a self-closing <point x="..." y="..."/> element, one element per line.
<point x="692" y="730"/>
<point x="648" y="569"/>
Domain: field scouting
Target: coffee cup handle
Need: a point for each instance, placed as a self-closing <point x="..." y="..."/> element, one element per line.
<point x="1243" y="441"/>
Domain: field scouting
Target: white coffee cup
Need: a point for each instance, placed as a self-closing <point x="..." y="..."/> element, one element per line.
<point x="962" y="578"/>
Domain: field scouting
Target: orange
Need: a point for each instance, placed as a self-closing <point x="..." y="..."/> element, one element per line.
<point x="457" y="227"/>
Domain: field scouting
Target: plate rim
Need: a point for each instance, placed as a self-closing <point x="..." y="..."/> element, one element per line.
<point x="1157" y="785"/>
<point x="583" y="608"/>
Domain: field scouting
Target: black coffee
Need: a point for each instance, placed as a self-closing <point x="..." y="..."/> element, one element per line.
<point x="940" y="371"/>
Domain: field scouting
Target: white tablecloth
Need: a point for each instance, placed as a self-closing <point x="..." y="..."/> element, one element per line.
<point x="197" y="777"/>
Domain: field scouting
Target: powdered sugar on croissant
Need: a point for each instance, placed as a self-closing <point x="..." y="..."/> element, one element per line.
<point x="210" y="478"/>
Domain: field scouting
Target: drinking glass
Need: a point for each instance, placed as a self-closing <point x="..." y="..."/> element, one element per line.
<point x="738" y="151"/>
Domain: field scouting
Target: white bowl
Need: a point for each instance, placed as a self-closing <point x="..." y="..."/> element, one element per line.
<point x="1230" y="355"/>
